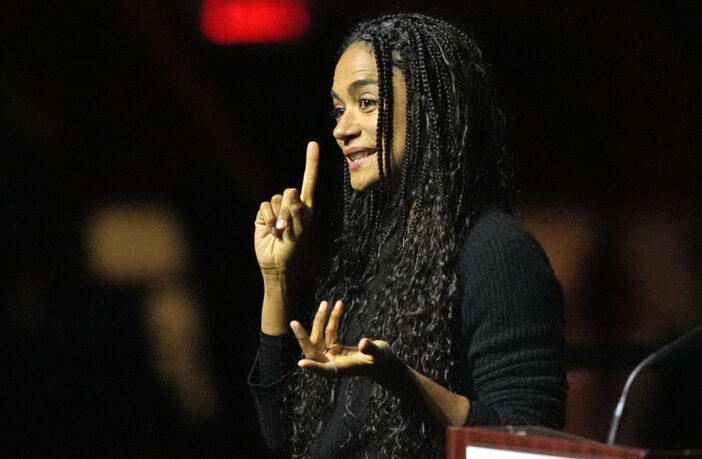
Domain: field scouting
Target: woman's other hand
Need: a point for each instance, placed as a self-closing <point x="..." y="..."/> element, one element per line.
<point x="325" y="356"/>
<point x="282" y="221"/>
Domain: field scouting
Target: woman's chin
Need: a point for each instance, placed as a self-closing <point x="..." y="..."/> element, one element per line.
<point x="365" y="185"/>
<point x="372" y="183"/>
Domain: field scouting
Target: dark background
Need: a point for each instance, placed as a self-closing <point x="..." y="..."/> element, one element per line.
<point x="126" y="103"/>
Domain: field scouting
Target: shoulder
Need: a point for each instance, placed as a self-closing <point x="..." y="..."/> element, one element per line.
<point x="502" y="269"/>
<point x="498" y="236"/>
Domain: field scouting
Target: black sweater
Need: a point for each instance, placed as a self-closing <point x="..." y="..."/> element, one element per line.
<point x="510" y="306"/>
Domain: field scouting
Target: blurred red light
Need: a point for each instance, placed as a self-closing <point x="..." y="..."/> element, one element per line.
<point x="228" y="22"/>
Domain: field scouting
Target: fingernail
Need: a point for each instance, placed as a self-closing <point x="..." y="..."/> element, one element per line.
<point x="281" y="224"/>
<point x="274" y="231"/>
<point x="321" y="305"/>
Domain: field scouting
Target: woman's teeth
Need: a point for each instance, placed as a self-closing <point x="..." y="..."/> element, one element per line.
<point x="360" y="155"/>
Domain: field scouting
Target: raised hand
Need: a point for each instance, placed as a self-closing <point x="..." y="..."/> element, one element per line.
<point x="282" y="221"/>
<point x="325" y="356"/>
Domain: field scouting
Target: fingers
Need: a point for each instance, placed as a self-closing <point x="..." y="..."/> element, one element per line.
<point x="314" y="345"/>
<point x="266" y="216"/>
<point x="328" y="369"/>
<point x="295" y="207"/>
<point x="290" y="211"/>
<point x="318" y="324"/>
<point x="290" y="207"/>
<point x="284" y="212"/>
<point x="303" y="340"/>
<point x="276" y="200"/>
<point x="268" y="213"/>
<point x="331" y="334"/>
<point x="309" y="180"/>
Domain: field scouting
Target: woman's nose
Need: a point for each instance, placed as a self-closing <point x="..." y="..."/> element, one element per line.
<point x="347" y="127"/>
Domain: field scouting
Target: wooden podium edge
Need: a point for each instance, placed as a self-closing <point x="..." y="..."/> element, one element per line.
<point x="543" y="441"/>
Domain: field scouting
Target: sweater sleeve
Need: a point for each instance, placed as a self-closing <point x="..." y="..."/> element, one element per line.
<point x="268" y="382"/>
<point x="512" y="308"/>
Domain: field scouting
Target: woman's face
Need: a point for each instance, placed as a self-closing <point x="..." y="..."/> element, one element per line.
<point x="355" y="98"/>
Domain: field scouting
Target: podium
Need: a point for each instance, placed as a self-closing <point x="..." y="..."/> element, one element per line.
<point x="539" y="443"/>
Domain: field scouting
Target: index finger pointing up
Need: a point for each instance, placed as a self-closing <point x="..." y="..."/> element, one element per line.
<point x="309" y="180"/>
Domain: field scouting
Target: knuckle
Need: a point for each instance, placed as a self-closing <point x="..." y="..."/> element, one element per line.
<point x="294" y="209"/>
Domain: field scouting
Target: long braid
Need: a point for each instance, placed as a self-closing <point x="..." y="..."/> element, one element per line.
<point x="382" y="108"/>
<point x="385" y="71"/>
<point x="431" y="141"/>
<point x="385" y="68"/>
<point x="410" y="134"/>
<point x="347" y="195"/>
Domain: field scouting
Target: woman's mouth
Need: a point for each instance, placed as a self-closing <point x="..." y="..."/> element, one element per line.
<point x="359" y="157"/>
<point x="354" y="154"/>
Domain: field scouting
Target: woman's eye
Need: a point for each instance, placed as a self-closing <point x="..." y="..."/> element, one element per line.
<point x="368" y="104"/>
<point x="336" y="113"/>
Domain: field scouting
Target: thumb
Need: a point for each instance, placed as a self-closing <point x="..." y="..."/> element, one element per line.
<point x="368" y="347"/>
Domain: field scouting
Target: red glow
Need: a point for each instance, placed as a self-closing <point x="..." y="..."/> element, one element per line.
<point x="254" y="21"/>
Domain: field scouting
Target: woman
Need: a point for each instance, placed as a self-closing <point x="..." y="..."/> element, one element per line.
<point x="449" y="313"/>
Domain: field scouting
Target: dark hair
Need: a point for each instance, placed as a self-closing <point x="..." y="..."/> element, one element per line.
<point x="453" y="164"/>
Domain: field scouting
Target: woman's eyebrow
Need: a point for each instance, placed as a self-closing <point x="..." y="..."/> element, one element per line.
<point x="356" y="85"/>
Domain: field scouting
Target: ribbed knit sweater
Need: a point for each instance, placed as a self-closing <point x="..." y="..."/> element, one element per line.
<point x="511" y="309"/>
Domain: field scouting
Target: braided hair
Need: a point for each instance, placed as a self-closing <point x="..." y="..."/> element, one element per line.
<point x="452" y="165"/>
